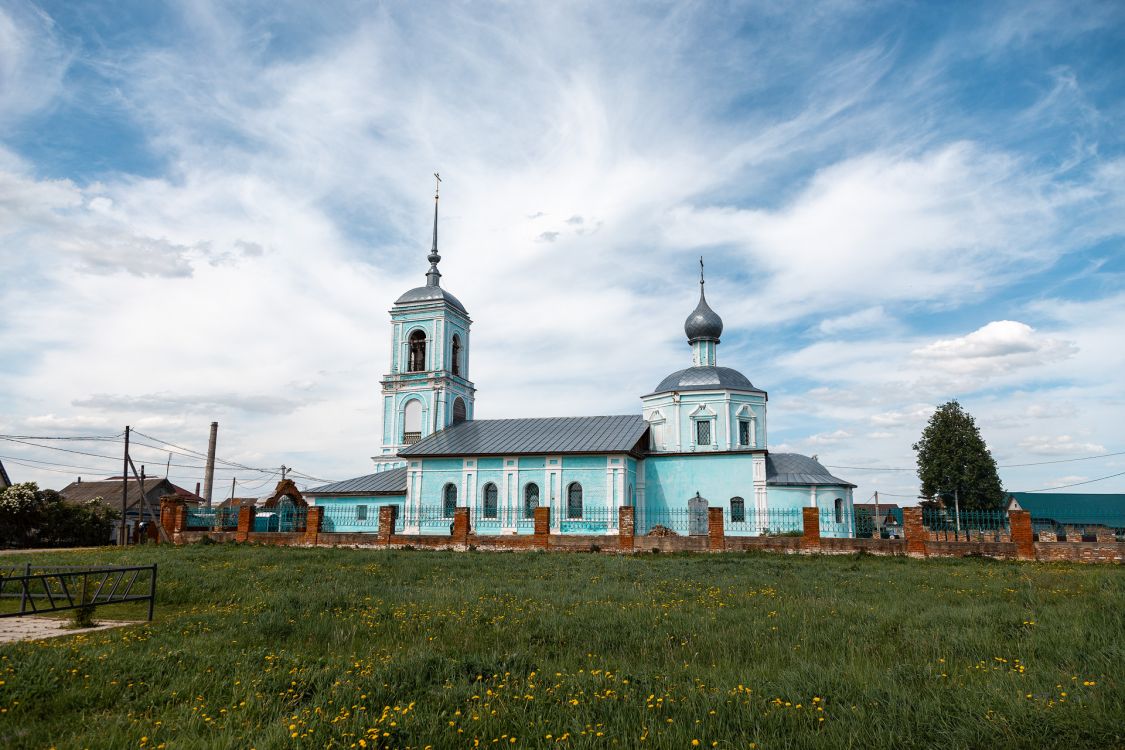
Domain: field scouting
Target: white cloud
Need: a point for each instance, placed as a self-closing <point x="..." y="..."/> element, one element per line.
<point x="998" y="347"/>
<point x="1061" y="445"/>
<point x="866" y="318"/>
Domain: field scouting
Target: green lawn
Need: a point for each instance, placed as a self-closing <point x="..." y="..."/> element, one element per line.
<point x="260" y="647"/>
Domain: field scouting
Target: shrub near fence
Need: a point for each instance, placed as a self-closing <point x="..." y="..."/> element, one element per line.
<point x="675" y="522"/>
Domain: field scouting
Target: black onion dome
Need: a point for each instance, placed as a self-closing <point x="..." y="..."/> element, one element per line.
<point x="703" y="323"/>
<point x="706" y="379"/>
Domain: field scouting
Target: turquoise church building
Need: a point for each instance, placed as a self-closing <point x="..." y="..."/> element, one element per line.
<point x="699" y="439"/>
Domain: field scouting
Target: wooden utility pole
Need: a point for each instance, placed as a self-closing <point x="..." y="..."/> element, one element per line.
<point x="122" y="535"/>
<point x="209" y="477"/>
<point x="232" y="483"/>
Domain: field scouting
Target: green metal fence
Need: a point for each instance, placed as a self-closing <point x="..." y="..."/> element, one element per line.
<point x="1079" y="527"/>
<point x="764" y="522"/>
<point x="968" y="525"/>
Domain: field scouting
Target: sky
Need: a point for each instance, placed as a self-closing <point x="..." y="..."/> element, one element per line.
<point x="208" y="208"/>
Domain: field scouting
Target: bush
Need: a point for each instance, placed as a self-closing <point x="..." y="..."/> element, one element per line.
<point x="31" y="517"/>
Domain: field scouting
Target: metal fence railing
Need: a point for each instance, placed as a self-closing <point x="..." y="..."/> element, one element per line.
<point x="210" y="518"/>
<point x="766" y="522"/>
<point x="58" y="588"/>
<point x="432" y="520"/>
<point x="943" y="524"/>
<point x="591" y="521"/>
<point x="671" y="522"/>
<point x="837" y="524"/>
<point x="341" y="518"/>
<point x="284" y="518"/>
<point x="1079" y="527"/>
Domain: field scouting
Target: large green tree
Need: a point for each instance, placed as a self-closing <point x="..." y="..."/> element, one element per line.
<point x="952" y="457"/>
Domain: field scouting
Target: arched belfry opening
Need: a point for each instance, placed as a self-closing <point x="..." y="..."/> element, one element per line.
<point x="416" y="357"/>
<point x="455" y="364"/>
<point x="412" y="422"/>
<point x="459" y="413"/>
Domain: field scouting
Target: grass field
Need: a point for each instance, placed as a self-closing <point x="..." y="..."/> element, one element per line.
<point x="260" y="647"/>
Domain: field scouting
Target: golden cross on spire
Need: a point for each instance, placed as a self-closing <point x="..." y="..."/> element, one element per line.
<point x="701" y="270"/>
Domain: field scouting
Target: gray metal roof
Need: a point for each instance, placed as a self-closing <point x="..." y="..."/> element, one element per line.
<point x="389" y="482"/>
<point x="703" y="323"/>
<point x="795" y="469"/>
<point x="431" y="294"/>
<point x="706" y="379"/>
<point x="509" y="437"/>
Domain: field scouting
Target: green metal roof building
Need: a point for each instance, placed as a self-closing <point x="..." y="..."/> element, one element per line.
<point x="1074" y="508"/>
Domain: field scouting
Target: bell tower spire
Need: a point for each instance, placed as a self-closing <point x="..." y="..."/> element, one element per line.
<point x="433" y="276"/>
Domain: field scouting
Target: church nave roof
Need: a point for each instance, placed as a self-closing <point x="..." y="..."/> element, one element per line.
<point x="534" y="436"/>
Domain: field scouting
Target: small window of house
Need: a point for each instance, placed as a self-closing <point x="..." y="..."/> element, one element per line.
<point x="361" y="512"/>
<point x="490" y="503"/>
<point x="703" y="432"/>
<point x="737" y="510"/>
<point x="574" y="500"/>
<point x="449" y="500"/>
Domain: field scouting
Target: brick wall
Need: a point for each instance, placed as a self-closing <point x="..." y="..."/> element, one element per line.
<point x="916" y="542"/>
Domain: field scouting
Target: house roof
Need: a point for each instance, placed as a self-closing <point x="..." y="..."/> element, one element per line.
<point x="389" y="482"/>
<point x="110" y="492"/>
<point x="1074" y="507"/>
<point x="511" y="437"/>
<point x="795" y="469"/>
<point x="5" y="481"/>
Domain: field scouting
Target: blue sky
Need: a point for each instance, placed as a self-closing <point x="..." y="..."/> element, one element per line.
<point x="207" y="208"/>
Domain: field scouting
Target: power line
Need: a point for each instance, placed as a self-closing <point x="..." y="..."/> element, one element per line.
<point x="1076" y="484"/>
<point x="999" y="466"/>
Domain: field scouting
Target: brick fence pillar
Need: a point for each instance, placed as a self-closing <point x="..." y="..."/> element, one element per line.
<point x="246" y="515"/>
<point x="172" y="517"/>
<point x="387" y="514"/>
<point x="716" y="537"/>
<point x="542" y="526"/>
<point x="626" y="527"/>
<point x="461" y="526"/>
<point x="914" y="532"/>
<point x="313" y="523"/>
<point x="810" y="539"/>
<point x="1019" y="521"/>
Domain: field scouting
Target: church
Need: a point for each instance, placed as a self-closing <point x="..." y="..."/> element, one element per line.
<point x="698" y="440"/>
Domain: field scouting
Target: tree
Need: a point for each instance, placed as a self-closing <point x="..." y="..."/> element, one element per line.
<point x="952" y="457"/>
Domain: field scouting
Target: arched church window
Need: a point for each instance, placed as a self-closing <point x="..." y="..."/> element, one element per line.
<point x="412" y="422"/>
<point x="455" y="365"/>
<point x="458" y="410"/>
<point x="737" y="510"/>
<point x="839" y="510"/>
<point x="449" y="500"/>
<point x="416" y="360"/>
<point x="530" y="499"/>
<point x="574" y="500"/>
<point x="491" y="509"/>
